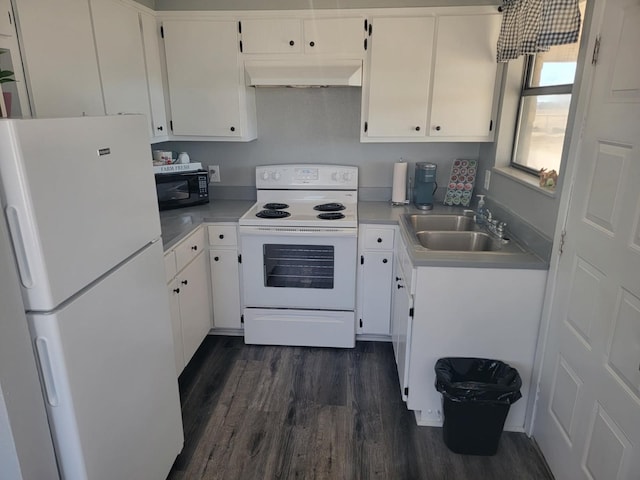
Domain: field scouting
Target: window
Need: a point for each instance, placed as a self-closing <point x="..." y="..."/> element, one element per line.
<point x="544" y="107"/>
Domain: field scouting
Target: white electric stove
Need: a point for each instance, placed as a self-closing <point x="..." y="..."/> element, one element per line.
<point x="299" y="252"/>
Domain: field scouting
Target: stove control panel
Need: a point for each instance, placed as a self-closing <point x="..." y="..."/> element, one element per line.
<point x="307" y="177"/>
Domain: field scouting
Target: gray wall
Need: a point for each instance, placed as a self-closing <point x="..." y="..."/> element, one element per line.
<point x="318" y="126"/>
<point x="309" y="5"/>
<point x="147" y="3"/>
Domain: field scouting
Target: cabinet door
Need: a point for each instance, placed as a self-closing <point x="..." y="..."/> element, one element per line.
<point x="376" y="277"/>
<point x="268" y="35"/>
<point x="464" y="76"/>
<point x="6" y="19"/>
<point x="195" y="309"/>
<point x="399" y="76"/>
<point x="60" y="58"/>
<point x="401" y="330"/>
<point x="121" y="58"/>
<point x="225" y="288"/>
<point x="204" y="77"/>
<point x="334" y="36"/>
<point x="154" y="75"/>
<point x="176" y="324"/>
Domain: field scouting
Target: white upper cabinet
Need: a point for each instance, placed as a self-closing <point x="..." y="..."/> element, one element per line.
<point x="60" y="58"/>
<point x="271" y="35"/>
<point x="339" y="36"/>
<point x="150" y="39"/>
<point x="464" y="76"/>
<point x="120" y="57"/>
<point x="328" y="36"/>
<point x="399" y="76"/>
<point x="208" y="97"/>
<point x="6" y="19"/>
<point x="431" y="78"/>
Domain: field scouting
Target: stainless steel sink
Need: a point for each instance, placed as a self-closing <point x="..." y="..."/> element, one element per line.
<point x="459" y="241"/>
<point x="447" y="223"/>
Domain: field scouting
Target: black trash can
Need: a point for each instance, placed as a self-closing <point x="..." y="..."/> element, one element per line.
<point x="476" y="396"/>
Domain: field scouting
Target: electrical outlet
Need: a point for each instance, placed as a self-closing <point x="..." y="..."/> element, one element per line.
<point x="214" y="174"/>
<point x="487" y="179"/>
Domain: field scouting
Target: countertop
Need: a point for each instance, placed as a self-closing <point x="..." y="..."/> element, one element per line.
<point x="178" y="223"/>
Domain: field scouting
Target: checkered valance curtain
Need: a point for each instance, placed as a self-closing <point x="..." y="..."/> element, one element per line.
<point x="531" y="26"/>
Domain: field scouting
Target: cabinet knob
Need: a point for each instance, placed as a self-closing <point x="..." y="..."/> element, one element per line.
<point x="292" y="43"/>
<point x="384" y="260"/>
<point x="176" y="290"/>
<point x="312" y="44"/>
<point x="398" y="279"/>
<point x="417" y="128"/>
<point x="400" y="286"/>
<point x="215" y="259"/>
<point x="233" y="129"/>
<point x="160" y="128"/>
<point x="184" y="282"/>
<point x="437" y="128"/>
<point x="221" y="236"/>
<point x="194" y="248"/>
<point x="379" y="240"/>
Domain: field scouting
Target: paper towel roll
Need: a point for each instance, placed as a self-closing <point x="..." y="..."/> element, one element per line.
<point x="399" y="190"/>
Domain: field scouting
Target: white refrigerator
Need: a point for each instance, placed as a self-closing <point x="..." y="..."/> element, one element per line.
<point x="78" y="196"/>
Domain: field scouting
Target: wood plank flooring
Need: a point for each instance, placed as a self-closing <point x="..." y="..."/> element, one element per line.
<point x="262" y="412"/>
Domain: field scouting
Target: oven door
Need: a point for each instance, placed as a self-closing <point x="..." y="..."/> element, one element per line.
<point x="305" y="268"/>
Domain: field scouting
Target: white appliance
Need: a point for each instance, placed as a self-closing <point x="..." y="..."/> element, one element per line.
<point x="78" y="195"/>
<point x="299" y="251"/>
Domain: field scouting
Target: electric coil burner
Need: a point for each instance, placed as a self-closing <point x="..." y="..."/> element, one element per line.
<point x="299" y="251"/>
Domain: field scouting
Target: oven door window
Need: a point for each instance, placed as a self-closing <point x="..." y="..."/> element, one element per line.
<point x="299" y="266"/>
<point x="174" y="190"/>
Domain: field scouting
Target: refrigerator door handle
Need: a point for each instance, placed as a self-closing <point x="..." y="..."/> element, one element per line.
<point x="44" y="359"/>
<point x="13" y="218"/>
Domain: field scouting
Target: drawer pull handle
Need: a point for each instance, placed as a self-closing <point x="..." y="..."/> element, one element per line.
<point x="400" y="286"/>
<point x="292" y="43"/>
<point x="384" y="260"/>
<point x="398" y="279"/>
<point x="216" y="259"/>
<point x="176" y="290"/>
<point x="221" y="236"/>
<point x="194" y="248"/>
<point x="379" y="240"/>
<point x="185" y="282"/>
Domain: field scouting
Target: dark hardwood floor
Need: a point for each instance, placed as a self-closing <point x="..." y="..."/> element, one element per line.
<point x="262" y="412"/>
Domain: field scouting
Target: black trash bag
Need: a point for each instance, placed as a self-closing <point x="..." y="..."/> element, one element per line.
<point x="481" y="380"/>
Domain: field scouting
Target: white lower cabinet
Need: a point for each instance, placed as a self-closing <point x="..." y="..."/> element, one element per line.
<point x="225" y="276"/>
<point x="189" y="296"/>
<point x="375" y="271"/>
<point x="462" y="312"/>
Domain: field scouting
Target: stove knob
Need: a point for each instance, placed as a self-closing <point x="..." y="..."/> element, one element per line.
<point x="334" y="176"/>
<point x="265" y="175"/>
<point x="346" y="176"/>
<point x="275" y="175"/>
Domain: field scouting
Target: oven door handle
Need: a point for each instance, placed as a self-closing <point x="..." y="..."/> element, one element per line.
<point x="299" y="231"/>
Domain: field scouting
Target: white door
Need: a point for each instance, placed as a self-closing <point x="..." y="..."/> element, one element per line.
<point x="464" y="75"/>
<point x="204" y="78"/>
<point x="588" y="413"/>
<point x="108" y="373"/>
<point x="399" y="75"/>
<point x="225" y="288"/>
<point x="58" y="49"/>
<point x="121" y="58"/>
<point x="80" y="198"/>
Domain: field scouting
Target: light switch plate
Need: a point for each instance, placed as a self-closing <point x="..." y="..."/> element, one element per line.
<point x="214" y="173"/>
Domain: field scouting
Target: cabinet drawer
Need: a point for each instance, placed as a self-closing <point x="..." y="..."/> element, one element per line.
<point x="170" y="265"/>
<point x="378" y="238"/>
<point x="189" y="248"/>
<point x="222" y="235"/>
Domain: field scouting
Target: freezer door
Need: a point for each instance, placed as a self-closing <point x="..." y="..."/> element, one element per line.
<point x="79" y="199"/>
<point x="107" y="367"/>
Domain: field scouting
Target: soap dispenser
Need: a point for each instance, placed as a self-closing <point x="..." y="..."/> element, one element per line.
<point x="481" y="213"/>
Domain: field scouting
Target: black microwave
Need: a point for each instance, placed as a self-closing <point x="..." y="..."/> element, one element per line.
<point x="182" y="189"/>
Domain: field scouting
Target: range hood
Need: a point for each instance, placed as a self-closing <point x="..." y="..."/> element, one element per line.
<point x="304" y="73"/>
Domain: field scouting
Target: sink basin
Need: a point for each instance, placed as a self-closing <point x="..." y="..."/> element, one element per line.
<point x="458" y="241"/>
<point x="440" y="222"/>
